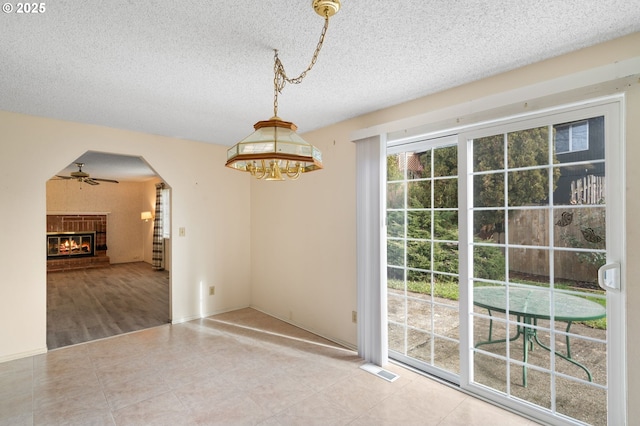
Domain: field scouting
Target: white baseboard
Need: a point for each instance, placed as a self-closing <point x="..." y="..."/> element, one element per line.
<point x="331" y="339"/>
<point x="207" y="314"/>
<point x="20" y="355"/>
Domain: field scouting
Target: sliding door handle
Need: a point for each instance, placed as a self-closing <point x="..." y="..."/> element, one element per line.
<point x="609" y="276"/>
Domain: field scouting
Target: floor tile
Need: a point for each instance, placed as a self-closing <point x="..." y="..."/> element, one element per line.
<point x="127" y="392"/>
<point x="213" y="372"/>
<point x="19" y="420"/>
<point x="278" y="392"/>
<point x="12" y="407"/>
<point x="317" y="410"/>
<point x="164" y="409"/>
<point x="473" y="412"/>
<point x="68" y="409"/>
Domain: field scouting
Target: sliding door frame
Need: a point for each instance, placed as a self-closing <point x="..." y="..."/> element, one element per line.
<point x="611" y="108"/>
<point x="373" y="301"/>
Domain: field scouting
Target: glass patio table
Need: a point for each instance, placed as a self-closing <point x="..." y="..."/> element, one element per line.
<point x="530" y="305"/>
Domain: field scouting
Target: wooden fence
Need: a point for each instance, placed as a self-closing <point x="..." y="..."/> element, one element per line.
<point x="531" y="228"/>
<point x="588" y="190"/>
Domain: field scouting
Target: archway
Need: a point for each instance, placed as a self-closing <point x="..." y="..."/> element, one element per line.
<point x="103" y="284"/>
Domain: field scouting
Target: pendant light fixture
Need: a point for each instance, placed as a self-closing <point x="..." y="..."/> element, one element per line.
<point x="275" y="150"/>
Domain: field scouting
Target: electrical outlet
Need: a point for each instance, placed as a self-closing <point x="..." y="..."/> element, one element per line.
<point x="212" y="290"/>
<point x="354" y="316"/>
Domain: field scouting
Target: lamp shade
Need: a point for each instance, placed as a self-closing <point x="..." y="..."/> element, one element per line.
<point x="274" y="143"/>
<point x="275" y="150"/>
<point x="146" y="216"/>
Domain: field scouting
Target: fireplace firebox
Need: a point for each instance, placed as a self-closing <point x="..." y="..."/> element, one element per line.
<point x="70" y="244"/>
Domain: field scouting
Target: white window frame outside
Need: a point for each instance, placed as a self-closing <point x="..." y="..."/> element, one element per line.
<point x="570" y="127"/>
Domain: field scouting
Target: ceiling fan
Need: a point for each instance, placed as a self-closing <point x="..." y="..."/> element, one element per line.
<point x="81" y="176"/>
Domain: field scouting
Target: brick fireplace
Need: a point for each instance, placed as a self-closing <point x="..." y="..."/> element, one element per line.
<point x="72" y="229"/>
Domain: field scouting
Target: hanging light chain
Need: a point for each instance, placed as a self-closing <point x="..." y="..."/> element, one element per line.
<point x="280" y="78"/>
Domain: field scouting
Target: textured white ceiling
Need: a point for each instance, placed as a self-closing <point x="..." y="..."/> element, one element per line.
<point x="104" y="165"/>
<point x="203" y="70"/>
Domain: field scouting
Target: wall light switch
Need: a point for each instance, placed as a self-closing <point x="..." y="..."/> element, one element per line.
<point x="181" y="231"/>
<point x="212" y="290"/>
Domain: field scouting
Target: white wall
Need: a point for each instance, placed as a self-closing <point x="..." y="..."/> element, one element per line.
<point x="214" y="250"/>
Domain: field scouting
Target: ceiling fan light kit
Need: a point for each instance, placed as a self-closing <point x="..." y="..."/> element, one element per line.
<point x="275" y="150"/>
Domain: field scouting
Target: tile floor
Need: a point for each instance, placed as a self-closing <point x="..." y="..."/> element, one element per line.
<point x="238" y="368"/>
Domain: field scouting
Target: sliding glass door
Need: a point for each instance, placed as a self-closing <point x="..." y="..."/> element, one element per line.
<point x="504" y="247"/>
<point x="422" y="256"/>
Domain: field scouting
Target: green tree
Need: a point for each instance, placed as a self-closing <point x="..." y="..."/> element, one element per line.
<point x="394" y="171"/>
<point x="524" y="148"/>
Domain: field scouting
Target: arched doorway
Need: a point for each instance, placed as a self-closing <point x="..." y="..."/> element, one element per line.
<point x="100" y="281"/>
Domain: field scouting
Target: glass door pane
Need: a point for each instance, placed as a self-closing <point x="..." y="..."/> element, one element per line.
<point x="538" y="238"/>
<point x="422" y="257"/>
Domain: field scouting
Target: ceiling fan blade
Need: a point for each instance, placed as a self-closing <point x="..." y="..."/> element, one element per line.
<point x="64" y="177"/>
<point x="105" y="180"/>
<point x="90" y="181"/>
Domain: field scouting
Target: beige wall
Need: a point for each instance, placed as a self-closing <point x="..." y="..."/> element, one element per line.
<point x="303" y="242"/>
<point x="214" y="250"/>
<point x="632" y="200"/>
<point x="287" y="248"/>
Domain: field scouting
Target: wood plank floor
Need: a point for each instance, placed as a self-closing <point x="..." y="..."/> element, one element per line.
<point x="92" y="304"/>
